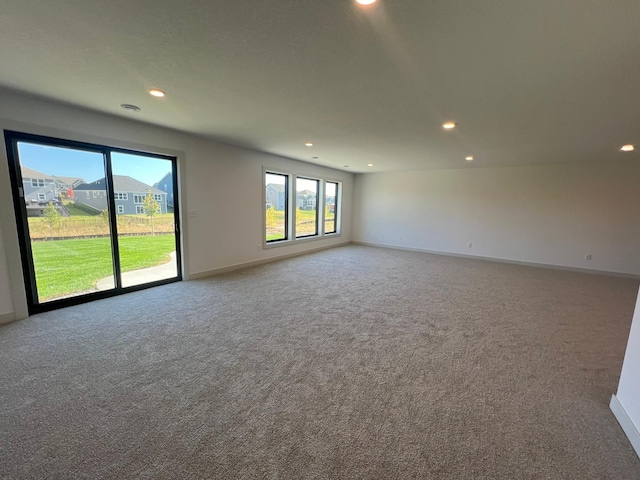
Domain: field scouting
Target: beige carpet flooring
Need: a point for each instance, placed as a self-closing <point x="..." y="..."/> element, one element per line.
<point x="352" y="363"/>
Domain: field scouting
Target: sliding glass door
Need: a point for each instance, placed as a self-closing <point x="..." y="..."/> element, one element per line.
<point x="145" y="217"/>
<point x="93" y="221"/>
<point x="69" y="242"/>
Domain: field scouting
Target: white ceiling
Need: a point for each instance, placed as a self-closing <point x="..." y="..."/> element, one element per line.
<point x="528" y="82"/>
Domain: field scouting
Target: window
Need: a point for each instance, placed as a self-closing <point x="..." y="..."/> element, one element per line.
<point x="330" y="202"/>
<point x="120" y="208"/>
<point x="277" y="215"/>
<point x="121" y="196"/>
<point x="157" y="197"/>
<point x="139" y="209"/>
<point x="306" y="207"/>
<point x="42" y="196"/>
<point x="314" y="203"/>
<point x="37" y="182"/>
<point x="138" y="199"/>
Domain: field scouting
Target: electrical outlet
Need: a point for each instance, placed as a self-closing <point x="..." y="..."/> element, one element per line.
<point x="587" y="256"/>
<point x="469" y="245"/>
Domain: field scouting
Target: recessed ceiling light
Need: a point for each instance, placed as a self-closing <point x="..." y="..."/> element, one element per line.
<point x="156" y="92"/>
<point x="131" y="108"/>
<point x="628" y="148"/>
<point x="309" y="144"/>
<point x="469" y="158"/>
<point x="449" y="125"/>
<point x="365" y="2"/>
<point x="315" y="158"/>
<point x="346" y="166"/>
<point x="369" y="164"/>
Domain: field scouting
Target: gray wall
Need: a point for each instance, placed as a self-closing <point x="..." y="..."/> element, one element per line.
<point x="545" y="214"/>
<point x="94" y="198"/>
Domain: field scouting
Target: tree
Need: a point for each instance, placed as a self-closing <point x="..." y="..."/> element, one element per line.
<point x="151" y="208"/>
<point x="272" y="220"/>
<point x="51" y="217"/>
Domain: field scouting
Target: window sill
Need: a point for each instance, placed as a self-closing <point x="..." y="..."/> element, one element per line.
<point x="298" y="241"/>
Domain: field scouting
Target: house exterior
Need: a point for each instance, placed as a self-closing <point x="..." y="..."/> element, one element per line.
<point x="39" y="188"/>
<point x="306" y="200"/>
<point x="330" y="202"/>
<point x="166" y="185"/>
<point x="129" y="195"/>
<point x="275" y="196"/>
<point x="66" y="185"/>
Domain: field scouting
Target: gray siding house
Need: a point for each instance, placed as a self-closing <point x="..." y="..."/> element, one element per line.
<point x="166" y="185"/>
<point x="66" y="185"/>
<point x="129" y="195"/>
<point x="39" y="188"/>
<point x="306" y="200"/>
<point x="275" y="196"/>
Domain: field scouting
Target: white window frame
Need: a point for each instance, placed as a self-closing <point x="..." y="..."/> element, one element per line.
<point x="42" y="196"/>
<point x="37" y="182"/>
<point x="121" y="196"/>
<point x="139" y="209"/>
<point x="120" y="209"/>
<point x="138" y="199"/>
<point x="157" y="197"/>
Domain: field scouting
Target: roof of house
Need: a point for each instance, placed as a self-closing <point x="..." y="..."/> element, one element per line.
<point x="69" y="180"/>
<point x="121" y="183"/>
<point x="306" y="192"/>
<point x="165" y="178"/>
<point x="278" y="187"/>
<point x="31" y="173"/>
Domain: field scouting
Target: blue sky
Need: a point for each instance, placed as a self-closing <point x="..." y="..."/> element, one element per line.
<point x="67" y="162"/>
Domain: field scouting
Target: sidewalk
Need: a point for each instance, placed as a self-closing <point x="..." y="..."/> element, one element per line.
<point x="144" y="275"/>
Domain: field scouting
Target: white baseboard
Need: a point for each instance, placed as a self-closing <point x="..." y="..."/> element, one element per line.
<point x="503" y="260"/>
<point x="629" y="428"/>
<point x="262" y="261"/>
<point x="7" y="317"/>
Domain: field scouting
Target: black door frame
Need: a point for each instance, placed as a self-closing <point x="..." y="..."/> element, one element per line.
<point x="11" y="141"/>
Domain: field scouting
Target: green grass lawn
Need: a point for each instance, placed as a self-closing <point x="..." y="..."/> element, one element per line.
<point x="76" y="212"/>
<point x="69" y="266"/>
